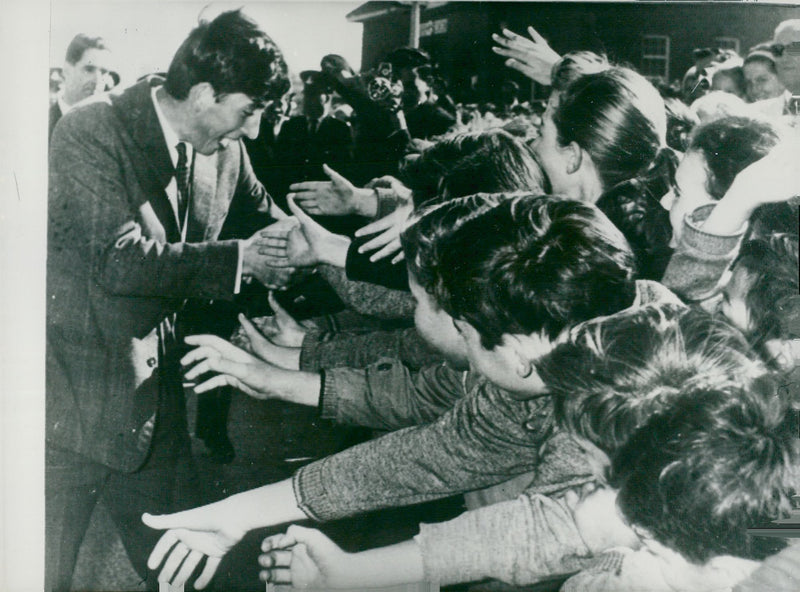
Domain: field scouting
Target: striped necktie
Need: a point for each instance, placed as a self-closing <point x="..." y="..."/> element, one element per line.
<point x="792" y="106"/>
<point x="182" y="179"/>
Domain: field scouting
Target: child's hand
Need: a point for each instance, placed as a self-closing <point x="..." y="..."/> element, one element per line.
<point x="532" y="57"/>
<point x="303" y="558"/>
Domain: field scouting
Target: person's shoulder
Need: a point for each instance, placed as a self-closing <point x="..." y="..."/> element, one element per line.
<point x="91" y="112"/>
<point x="769" y="107"/>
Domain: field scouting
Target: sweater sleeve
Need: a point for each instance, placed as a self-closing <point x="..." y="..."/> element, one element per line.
<point x="700" y="259"/>
<point x="488" y="437"/>
<point x="369" y="299"/>
<point x="520" y="542"/>
<point x="387" y="396"/>
<point x="358" y="350"/>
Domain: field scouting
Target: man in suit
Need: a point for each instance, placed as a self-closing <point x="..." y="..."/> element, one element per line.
<point x="150" y="194"/>
<point x="314" y="138"/>
<point x="86" y="72"/>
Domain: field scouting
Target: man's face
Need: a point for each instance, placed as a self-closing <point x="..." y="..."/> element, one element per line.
<point x="787" y="64"/>
<point x="315" y="103"/>
<point x="88" y="76"/>
<point x="436" y="327"/>
<point x="227" y="117"/>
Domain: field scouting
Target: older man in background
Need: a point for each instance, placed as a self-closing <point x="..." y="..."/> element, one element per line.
<point x="86" y="72"/>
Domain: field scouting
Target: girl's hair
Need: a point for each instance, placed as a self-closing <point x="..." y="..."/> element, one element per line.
<point x="573" y="65"/>
<point x="618" y="118"/>
<point x="729" y="145"/>
<point x="762" y="53"/>
<point x="490" y="161"/>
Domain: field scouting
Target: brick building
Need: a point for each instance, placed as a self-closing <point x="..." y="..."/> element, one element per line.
<point x="655" y="38"/>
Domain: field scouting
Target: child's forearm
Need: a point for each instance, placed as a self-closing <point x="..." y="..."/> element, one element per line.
<point x="387" y="566"/>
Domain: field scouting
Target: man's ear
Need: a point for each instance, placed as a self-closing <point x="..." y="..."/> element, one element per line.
<point x="202" y="96"/>
<point x="574" y="154"/>
<point x="460" y="325"/>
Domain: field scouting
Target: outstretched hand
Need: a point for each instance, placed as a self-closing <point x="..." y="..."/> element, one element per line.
<point x="305" y="244"/>
<point x="233" y="367"/>
<point x="532" y="57"/>
<point x="264" y="347"/>
<point x="304" y="557"/>
<point x="208" y="531"/>
<point x="285" y="330"/>
<point x="274" y="272"/>
<point x="388" y="241"/>
<point x="337" y="197"/>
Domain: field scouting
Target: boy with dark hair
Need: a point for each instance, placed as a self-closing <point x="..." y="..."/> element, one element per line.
<point x="691" y="481"/>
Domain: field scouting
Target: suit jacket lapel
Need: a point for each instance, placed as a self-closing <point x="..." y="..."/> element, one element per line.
<point x="204" y="205"/>
<point x="135" y="110"/>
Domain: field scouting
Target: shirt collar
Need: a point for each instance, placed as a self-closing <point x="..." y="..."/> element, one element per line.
<point x="62" y="104"/>
<point x="170" y="136"/>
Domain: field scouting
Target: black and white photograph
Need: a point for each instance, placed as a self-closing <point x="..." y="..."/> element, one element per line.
<point x="402" y="296"/>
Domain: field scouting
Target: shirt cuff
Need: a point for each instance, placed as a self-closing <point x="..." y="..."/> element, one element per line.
<point x="705" y="244"/>
<point x="237" y="287"/>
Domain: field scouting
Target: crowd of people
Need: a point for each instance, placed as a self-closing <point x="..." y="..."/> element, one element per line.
<point x="583" y="318"/>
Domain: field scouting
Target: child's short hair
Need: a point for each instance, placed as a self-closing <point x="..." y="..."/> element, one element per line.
<point x="614" y="373"/>
<point x="487" y="161"/>
<point x="773" y="299"/>
<point x="530" y="264"/>
<point x="429" y="231"/>
<point x="712" y="465"/>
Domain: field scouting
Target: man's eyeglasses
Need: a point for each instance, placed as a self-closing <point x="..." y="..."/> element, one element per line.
<point x="792" y="48"/>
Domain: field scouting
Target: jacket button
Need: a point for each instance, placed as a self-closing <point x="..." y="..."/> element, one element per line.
<point x="151" y="362"/>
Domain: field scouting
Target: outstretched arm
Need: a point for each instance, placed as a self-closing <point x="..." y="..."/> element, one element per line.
<point x="337" y="197"/>
<point x="237" y="368"/>
<point x="532" y="57"/>
<point x="304" y="557"/>
<point x="774" y="178"/>
<point x="211" y="531"/>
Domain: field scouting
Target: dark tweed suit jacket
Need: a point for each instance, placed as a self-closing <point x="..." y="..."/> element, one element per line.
<point x="53" y="116"/>
<point x="117" y="271"/>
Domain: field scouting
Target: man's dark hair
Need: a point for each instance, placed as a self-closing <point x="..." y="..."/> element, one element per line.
<point x="233" y="55"/>
<point x="533" y="263"/>
<point x="575" y="64"/>
<point x="79" y="44"/>
<point x="717" y="462"/>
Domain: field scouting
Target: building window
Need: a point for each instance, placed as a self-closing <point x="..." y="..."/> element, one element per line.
<point x="727" y="43"/>
<point x="655" y="57"/>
